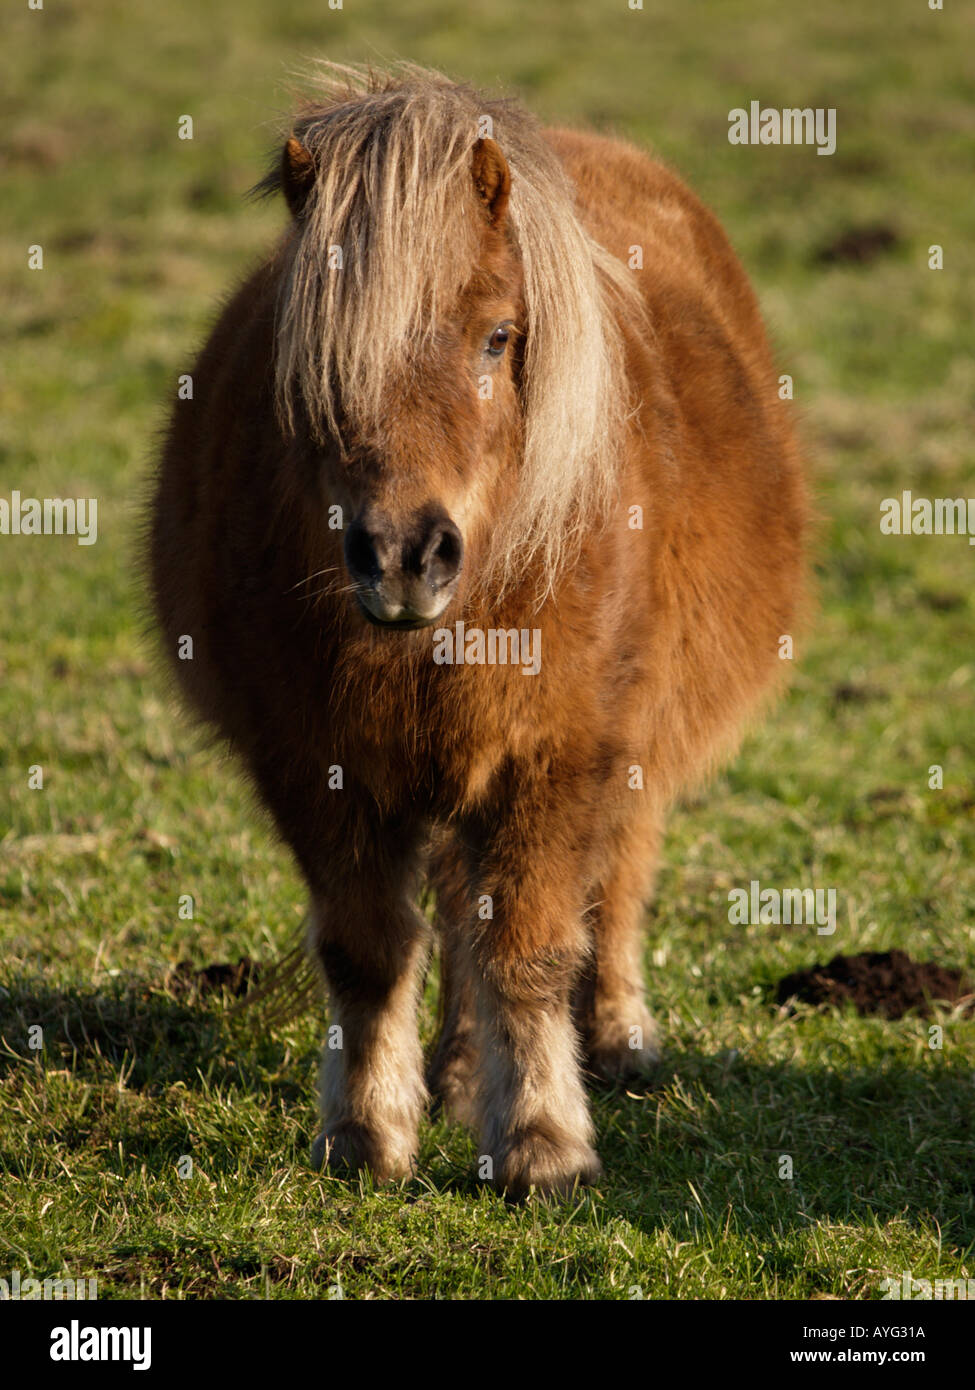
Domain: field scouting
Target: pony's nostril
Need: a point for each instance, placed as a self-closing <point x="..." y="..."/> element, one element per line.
<point x="361" y="555"/>
<point x="448" y="551"/>
<point x="442" y="554"/>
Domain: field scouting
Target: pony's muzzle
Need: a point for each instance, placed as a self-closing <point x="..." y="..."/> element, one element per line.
<point x="404" y="574"/>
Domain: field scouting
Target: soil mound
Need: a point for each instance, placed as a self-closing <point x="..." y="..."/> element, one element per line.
<point x="885" y="983"/>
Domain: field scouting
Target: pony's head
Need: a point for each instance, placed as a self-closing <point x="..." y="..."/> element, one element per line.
<point x="445" y="339"/>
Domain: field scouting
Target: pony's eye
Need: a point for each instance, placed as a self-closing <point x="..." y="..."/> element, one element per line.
<point x="498" y="340"/>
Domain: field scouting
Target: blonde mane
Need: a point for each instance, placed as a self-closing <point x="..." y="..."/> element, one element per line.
<point x="393" y="190"/>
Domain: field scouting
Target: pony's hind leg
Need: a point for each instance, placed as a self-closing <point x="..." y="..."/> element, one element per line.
<point x="620" y="1038"/>
<point x="451" y="1075"/>
<point x="372" y="945"/>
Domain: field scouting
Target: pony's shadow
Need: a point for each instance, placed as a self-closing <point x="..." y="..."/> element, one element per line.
<point x="140" y="1038"/>
<point x="778" y="1146"/>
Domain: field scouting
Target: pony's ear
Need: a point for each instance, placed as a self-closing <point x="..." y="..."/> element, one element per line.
<point x="492" y="179"/>
<point x="297" y="174"/>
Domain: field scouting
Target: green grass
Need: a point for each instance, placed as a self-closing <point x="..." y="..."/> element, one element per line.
<point x="142" y="233"/>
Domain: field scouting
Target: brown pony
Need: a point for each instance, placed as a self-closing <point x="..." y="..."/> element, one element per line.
<point x="485" y="520"/>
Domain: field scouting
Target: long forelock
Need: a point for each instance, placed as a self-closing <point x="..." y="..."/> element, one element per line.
<point x="394" y="198"/>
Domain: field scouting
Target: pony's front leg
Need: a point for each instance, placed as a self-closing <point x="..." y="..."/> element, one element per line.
<point x="372" y="944"/>
<point x="522" y="964"/>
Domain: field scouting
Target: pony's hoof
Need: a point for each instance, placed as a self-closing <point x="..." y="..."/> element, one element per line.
<point x="349" y="1148"/>
<point x="452" y="1084"/>
<point x="535" y="1161"/>
<point x="624" y="1051"/>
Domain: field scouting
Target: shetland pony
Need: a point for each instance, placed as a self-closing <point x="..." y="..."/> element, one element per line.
<point x="498" y="386"/>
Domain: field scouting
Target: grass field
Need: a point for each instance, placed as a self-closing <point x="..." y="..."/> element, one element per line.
<point x="141" y="234"/>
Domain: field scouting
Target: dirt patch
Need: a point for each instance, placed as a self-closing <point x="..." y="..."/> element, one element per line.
<point x="237" y="979"/>
<point x="848" y="694"/>
<point x="885" y="983"/>
<point x="858" y="245"/>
